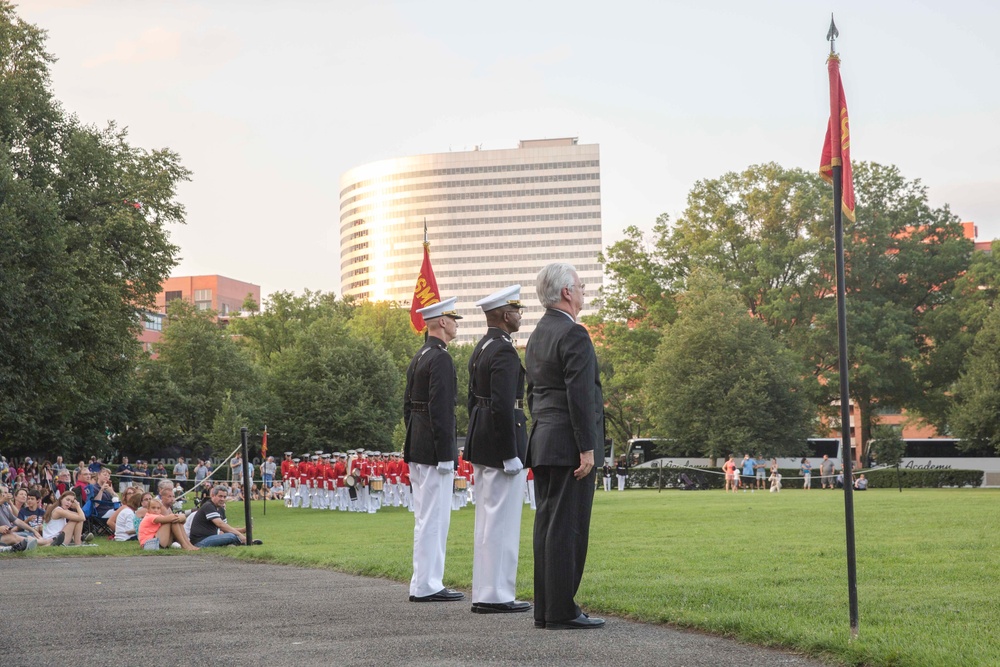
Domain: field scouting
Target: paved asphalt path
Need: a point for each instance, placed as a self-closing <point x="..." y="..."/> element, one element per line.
<point x="200" y="609"/>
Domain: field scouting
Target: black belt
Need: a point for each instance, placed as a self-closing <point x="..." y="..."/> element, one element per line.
<point x="418" y="406"/>
<point x="486" y="402"/>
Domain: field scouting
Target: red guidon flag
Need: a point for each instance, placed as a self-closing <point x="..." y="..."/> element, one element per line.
<point x="263" y="445"/>
<point x="837" y="147"/>
<point x="425" y="292"/>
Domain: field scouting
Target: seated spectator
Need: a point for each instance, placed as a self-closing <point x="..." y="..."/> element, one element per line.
<point x="861" y="484"/>
<point x="101" y="495"/>
<point x="209" y="528"/>
<point x="9" y="525"/>
<point x="82" y="484"/>
<point x="840" y="480"/>
<point x="32" y="512"/>
<point x="236" y="492"/>
<point x="128" y="493"/>
<point x="205" y="493"/>
<point x="159" y="531"/>
<point x="126" y="526"/>
<point x="276" y="492"/>
<point x="66" y="518"/>
<point x="167" y="497"/>
<point x="63" y="482"/>
<point x="9" y="517"/>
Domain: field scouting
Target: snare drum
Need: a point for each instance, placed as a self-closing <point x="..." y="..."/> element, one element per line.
<point x="376" y="484"/>
<point x="461" y="484"/>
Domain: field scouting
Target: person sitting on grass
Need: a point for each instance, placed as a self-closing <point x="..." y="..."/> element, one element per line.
<point x="126" y="494"/>
<point x="126" y="527"/>
<point x="861" y="484"/>
<point x="209" y="528"/>
<point x="66" y="518"/>
<point x="159" y="531"/>
<point x="32" y="512"/>
<point x="8" y="517"/>
<point x="775" y="479"/>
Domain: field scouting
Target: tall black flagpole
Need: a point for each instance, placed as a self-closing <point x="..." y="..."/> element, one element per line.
<point x="845" y="394"/>
<point x="246" y="475"/>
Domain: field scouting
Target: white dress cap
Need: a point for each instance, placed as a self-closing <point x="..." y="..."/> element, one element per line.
<point x="508" y="296"/>
<point x="446" y="307"/>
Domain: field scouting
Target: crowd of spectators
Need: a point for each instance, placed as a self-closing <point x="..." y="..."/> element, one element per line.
<point x="50" y="504"/>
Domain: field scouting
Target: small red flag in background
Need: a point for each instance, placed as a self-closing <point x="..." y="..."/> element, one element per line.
<point x="263" y="445"/>
<point x="425" y="292"/>
<point x="837" y="147"/>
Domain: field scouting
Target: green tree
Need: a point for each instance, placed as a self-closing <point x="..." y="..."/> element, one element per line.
<point x="720" y="383"/>
<point x="904" y="259"/>
<point x="975" y="414"/>
<point x="388" y="327"/>
<point x="335" y="390"/>
<point x="764" y="231"/>
<point x="84" y="249"/>
<point x="640" y="281"/>
<point x="286" y="315"/>
<point x="624" y="353"/>
<point x="199" y="371"/>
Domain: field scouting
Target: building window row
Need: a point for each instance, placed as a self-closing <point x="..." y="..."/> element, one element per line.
<point x="490" y="220"/>
<point x="357" y="246"/>
<point x="484" y="169"/>
<point x="475" y="183"/>
<point x="358" y="283"/>
<point x="358" y="234"/>
<point x="500" y="245"/>
<point x="384" y="202"/>
<point x="489" y="233"/>
<point x="447" y="210"/>
<point x="542" y="258"/>
<point x="356" y="272"/>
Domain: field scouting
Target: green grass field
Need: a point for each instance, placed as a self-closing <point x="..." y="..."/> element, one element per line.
<point x="769" y="569"/>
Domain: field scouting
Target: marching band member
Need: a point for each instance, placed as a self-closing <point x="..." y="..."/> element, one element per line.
<point x="292" y="483"/>
<point x="339" y="473"/>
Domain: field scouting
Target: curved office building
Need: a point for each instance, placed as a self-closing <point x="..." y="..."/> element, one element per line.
<point x="493" y="218"/>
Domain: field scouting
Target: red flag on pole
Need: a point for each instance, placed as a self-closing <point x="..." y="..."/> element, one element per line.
<point x="263" y="445"/>
<point x="837" y="147"/>
<point x="425" y="292"/>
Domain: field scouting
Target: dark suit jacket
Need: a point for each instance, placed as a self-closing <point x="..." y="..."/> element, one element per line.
<point x="564" y="393"/>
<point x="496" y="430"/>
<point x="429" y="406"/>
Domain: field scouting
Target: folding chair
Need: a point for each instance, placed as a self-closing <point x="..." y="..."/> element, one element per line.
<point x="95" y="524"/>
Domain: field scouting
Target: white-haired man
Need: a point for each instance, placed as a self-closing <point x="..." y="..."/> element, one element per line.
<point x="565" y="447"/>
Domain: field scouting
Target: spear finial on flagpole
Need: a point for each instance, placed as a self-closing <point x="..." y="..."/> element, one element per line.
<point x="425" y="231"/>
<point x="832" y="35"/>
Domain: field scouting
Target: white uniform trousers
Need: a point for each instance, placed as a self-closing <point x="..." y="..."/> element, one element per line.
<point x="621" y="482"/>
<point x="432" y="516"/>
<point x="531" y="494"/>
<point x="607" y="482"/>
<point x="497" y="539"/>
<point x="391" y="494"/>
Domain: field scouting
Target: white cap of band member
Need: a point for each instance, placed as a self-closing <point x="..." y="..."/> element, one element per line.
<point x="508" y="296"/>
<point x="446" y="307"/>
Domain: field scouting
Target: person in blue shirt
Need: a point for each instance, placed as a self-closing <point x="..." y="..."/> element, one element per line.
<point x="748" y="469"/>
<point x="102" y="495"/>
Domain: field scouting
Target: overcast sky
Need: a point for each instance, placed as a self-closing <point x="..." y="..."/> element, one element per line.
<point x="269" y="102"/>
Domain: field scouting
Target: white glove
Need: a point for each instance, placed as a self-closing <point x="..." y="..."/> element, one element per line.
<point x="512" y="466"/>
<point x="445" y="467"/>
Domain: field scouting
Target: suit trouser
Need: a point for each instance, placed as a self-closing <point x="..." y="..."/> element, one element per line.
<point x="497" y="536"/>
<point x="432" y="517"/>
<point x="562" y="533"/>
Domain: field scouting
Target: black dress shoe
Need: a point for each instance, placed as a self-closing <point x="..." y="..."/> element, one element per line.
<point x="443" y="595"/>
<point x="581" y="622"/>
<point x="500" y="607"/>
<point x="539" y="624"/>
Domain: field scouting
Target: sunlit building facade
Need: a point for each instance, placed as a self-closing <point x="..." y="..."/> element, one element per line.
<point x="493" y="217"/>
